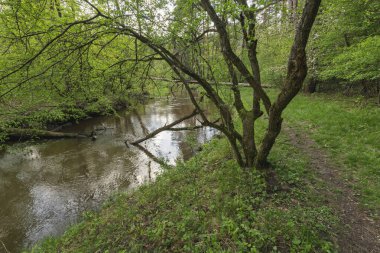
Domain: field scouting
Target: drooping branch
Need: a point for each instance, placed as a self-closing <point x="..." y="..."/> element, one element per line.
<point x="20" y="83"/>
<point x="164" y="128"/>
<point x="173" y="61"/>
<point x="232" y="135"/>
<point x="48" y="44"/>
<point x="176" y="65"/>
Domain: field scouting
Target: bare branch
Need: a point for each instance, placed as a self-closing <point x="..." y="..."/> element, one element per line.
<point x="167" y="127"/>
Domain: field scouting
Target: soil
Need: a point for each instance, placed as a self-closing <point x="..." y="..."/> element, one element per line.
<point x="359" y="232"/>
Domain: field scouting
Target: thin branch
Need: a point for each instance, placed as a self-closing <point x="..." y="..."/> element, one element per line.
<point x="19" y="84"/>
<point x="97" y="10"/>
<point x="47" y="45"/>
<point x="106" y="44"/>
<point x="5" y="248"/>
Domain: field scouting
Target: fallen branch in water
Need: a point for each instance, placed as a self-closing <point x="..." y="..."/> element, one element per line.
<point x="19" y="133"/>
<point x="184" y="128"/>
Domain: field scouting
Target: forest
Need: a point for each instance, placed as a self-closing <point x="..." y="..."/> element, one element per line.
<point x="189" y="126"/>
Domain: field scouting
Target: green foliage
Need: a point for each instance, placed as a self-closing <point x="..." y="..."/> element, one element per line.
<point x="347" y="40"/>
<point x="356" y="63"/>
<point x="56" y="68"/>
<point x="344" y="44"/>
<point x="273" y="53"/>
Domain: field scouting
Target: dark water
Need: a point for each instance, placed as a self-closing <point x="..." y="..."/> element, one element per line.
<point x="47" y="185"/>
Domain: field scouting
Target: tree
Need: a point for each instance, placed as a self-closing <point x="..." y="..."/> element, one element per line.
<point x="58" y="64"/>
<point x="208" y="36"/>
<point x="296" y="73"/>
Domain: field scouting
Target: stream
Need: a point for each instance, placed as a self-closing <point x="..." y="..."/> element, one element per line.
<point x="45" y="186"/>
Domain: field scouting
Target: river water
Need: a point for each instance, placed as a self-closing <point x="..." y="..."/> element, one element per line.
<point x="46" y="186"/>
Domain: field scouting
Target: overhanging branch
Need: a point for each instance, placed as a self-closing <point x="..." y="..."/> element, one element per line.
<point x="164" y="128"/>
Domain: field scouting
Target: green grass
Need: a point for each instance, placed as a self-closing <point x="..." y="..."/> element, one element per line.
<point x="350" y="132"/>
<point x="209" y="204"/>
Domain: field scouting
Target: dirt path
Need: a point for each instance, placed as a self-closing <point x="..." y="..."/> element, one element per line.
<point x="360" y="233"/>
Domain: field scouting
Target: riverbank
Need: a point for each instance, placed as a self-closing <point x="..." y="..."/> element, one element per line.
<point x="209" y="203"/>
<point x="45" y="186"/>
<point x="55" y="117"/>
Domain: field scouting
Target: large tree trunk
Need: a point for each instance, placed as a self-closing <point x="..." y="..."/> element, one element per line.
<point x="297" y="70"/>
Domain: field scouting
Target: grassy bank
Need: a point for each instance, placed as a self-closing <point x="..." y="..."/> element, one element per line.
<point x="209" y="204"/>
<point x="350" y="131"/>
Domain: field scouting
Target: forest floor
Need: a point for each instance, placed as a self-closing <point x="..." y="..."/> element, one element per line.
<point x="327" y="157"/>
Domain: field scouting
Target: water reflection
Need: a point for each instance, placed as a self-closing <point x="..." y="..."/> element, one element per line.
<point x="45" y="186"/>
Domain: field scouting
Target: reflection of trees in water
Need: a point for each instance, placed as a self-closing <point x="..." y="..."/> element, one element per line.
<point x="142" y="125"/>
<point x="14" y="190"/>
<point x="169" y="144"/>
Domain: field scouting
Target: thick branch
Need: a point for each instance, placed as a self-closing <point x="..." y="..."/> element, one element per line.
<point x="164" y="128"/>
<point x="18" y="133"/>
<point x="228" y="52"/>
